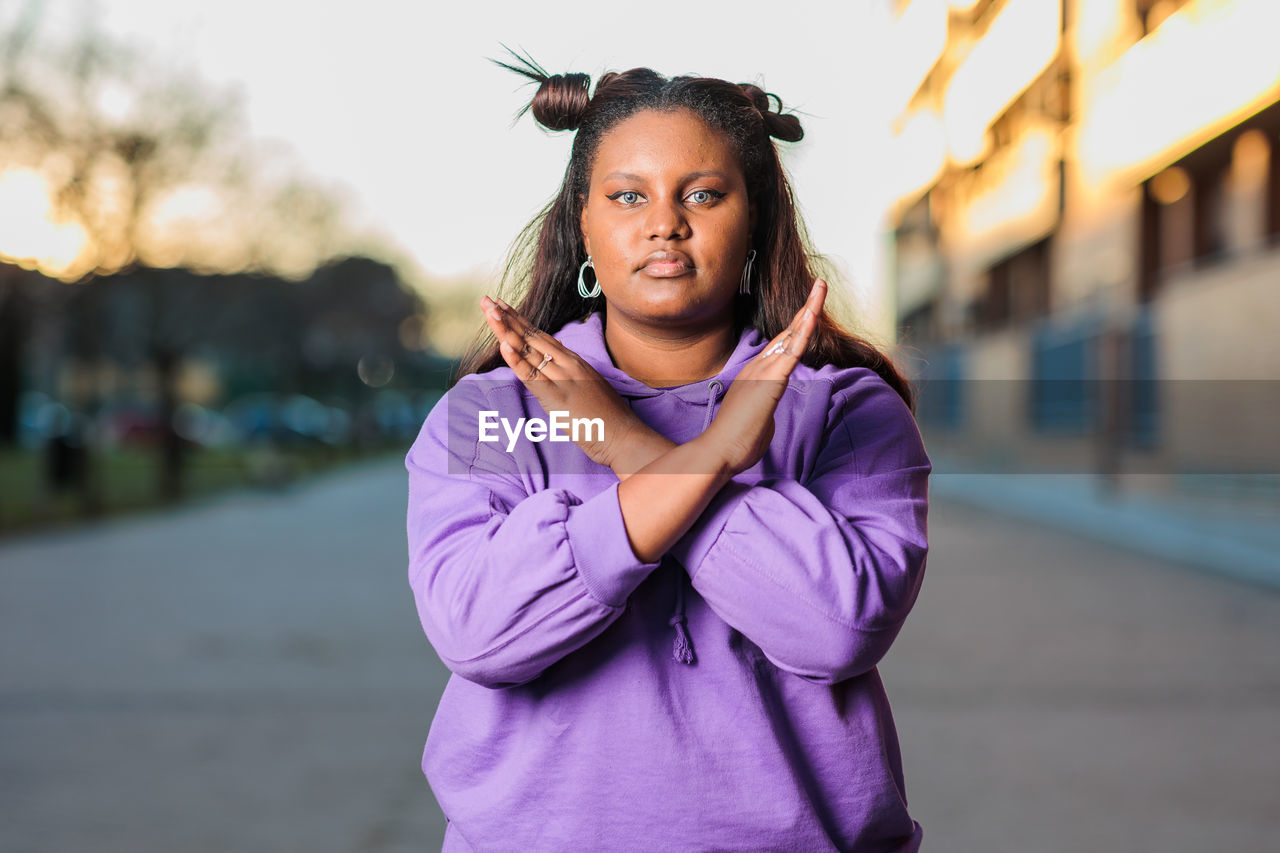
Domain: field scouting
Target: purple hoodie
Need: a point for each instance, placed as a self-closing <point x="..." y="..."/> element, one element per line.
<point x="723" y="698"/>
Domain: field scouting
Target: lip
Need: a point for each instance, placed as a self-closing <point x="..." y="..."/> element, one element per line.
<point x="667" y="264"/>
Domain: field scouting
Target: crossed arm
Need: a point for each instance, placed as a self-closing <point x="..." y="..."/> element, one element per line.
<point x="819" y="575"/>
<point x="659" y="499"/>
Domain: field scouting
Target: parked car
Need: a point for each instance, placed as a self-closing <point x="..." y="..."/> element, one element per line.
<point x="394" y="414"/>
<point x="125" y="423"/>
<point x="204" y="426"/>
<point x="287" y="419"/>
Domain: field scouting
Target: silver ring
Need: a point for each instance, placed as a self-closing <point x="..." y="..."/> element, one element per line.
<point x="780" y="346"/>
<point x="545" y="359"/>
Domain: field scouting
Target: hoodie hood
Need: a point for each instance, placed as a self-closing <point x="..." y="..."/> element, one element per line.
<point x="586" y="338"/>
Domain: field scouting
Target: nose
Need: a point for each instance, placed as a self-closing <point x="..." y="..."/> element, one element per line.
<point x="667" y="220"/>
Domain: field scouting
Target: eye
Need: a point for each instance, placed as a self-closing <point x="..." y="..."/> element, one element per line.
<point x="622" y="195"/>
<point x="709" y="196"/>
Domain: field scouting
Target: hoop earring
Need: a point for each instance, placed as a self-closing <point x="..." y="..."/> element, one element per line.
<point x="582" y="285"/>
<point x="745" y="287"/>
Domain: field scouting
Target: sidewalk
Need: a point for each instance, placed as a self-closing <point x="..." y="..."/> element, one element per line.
<point x="245" y="672"/>
<point x="1236" y="539"/>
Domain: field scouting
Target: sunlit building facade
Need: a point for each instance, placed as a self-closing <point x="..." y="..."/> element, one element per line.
<point x="1086" y="243"/>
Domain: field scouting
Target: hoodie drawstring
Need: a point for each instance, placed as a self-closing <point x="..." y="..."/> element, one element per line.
<point x="713" y="388"/>
<point x="682" y="651"/>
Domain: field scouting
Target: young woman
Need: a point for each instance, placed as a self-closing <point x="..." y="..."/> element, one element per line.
<point x="664" y="630"/>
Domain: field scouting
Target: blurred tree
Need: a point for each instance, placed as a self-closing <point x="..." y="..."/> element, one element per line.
<point x="13" y="312"/>
<point x="148" y="161"/>
<point x="153" y="166"/>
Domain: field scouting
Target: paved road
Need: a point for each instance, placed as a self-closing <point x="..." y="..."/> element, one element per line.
<point x="250" y="675"/>
<point x="1053" y="694"/>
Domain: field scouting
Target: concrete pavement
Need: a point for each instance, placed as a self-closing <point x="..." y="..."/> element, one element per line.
<point x="1056" y="694"/>
<point x="1231" y="537"/>
<point x="242" y="675"/>
<point x="250" y="674"/>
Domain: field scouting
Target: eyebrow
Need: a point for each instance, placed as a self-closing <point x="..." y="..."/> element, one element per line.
<point x="704" y="173"/>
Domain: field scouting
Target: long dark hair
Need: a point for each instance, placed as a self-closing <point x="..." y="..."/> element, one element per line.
<point x="549" y="250"/>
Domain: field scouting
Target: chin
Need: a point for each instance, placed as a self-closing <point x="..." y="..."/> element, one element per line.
<point x="673" y="311"/>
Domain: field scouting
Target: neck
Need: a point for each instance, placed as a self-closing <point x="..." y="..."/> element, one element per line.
<point x="664" y="357"/>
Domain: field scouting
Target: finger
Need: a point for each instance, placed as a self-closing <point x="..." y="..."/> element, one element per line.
<point x="806" y="318"/>
<point x="523" y="326"/>
<point x="534" y="345"/>
<point x="522" y="367"/>
<point x="525" y="343"/>
<point x="813" y="305"/>
<point x="778" y="349"/>
<point x="529" y="352"/>
<point x="536" y="342"/>
<point x="817" y="297"/>
<point x="501" y="328"/>
<point x="791" y="343"/>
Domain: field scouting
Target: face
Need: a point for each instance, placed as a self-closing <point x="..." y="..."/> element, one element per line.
<point x="667" y="222"/>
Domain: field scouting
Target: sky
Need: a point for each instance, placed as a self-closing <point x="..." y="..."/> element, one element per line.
<point x="397" y="104"/>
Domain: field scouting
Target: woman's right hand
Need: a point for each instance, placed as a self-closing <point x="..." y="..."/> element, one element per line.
<point x="568" y="383"/>
<point x="743" y="428"/>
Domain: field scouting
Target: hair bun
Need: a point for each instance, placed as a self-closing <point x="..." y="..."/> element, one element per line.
<point x="562" y="100"/>
<point x="780" y="125"/>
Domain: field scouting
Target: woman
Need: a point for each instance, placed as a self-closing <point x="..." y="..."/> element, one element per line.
<point x="664" y="633"/>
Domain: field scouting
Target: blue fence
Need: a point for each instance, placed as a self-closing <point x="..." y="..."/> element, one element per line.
<point x="1063" y="391"/>
<point x="1144" y="404"/>
<point x="1064" y="367"/>
<point x="941" y="402"/>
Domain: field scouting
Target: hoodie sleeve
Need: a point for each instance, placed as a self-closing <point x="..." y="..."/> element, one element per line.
<point x="506" y="582"/>
<point x="821" y="574"/>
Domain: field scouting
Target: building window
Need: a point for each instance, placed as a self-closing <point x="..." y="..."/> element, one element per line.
<point x="1208" y="195"/>
<point x="918" y="271"/>
<point x="995" y="308"/>
<point x="1273" y="190"/>
<point x="1221" y="200"/>
<point x="1173" y="219"/>
<point x="920" y="323"/>
<point x="1246" y="187"/>
<point x="1017" y="289"/>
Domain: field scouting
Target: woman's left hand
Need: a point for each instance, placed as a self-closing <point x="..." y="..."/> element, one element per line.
<point x="741" y="432"/>
<point x="566" y="383"/>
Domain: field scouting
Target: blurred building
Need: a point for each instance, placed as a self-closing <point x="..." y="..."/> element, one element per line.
<point x="133" y="347"/>
<point x="1087" y="240"/>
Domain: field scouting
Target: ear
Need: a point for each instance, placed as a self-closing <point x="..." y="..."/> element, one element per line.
<point x="582" y="226"/>
<point x="751" y="228"/>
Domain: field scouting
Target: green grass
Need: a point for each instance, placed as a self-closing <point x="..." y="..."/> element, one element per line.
<point x="127" y="480"/>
